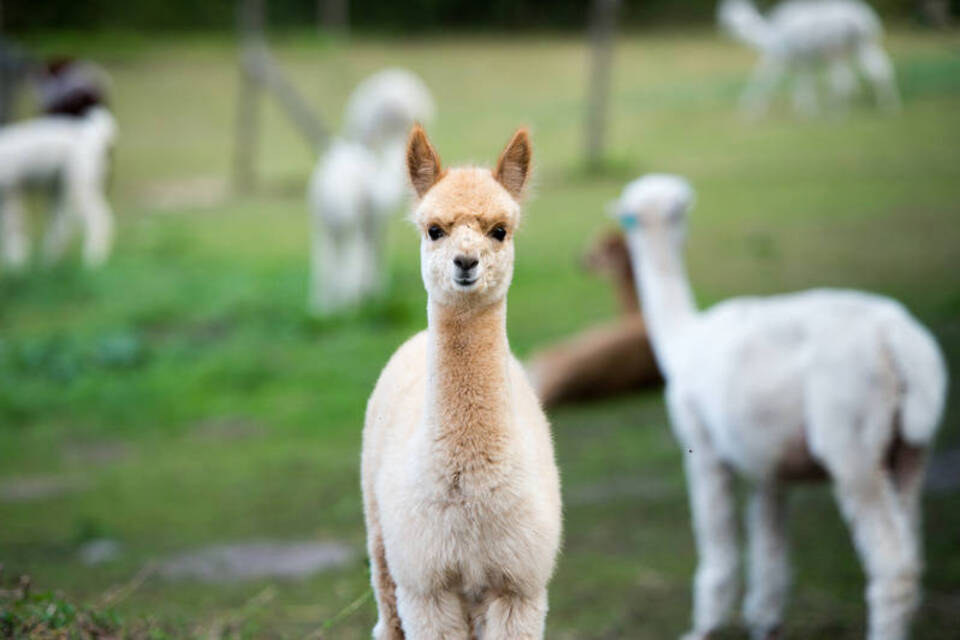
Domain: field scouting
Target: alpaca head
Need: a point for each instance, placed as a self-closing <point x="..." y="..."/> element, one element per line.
<point x="467" y="218"/>
<point x="384" y="106"/>
<point x="653" y="211"/>
<point x="608" y="254"/>
<point x="741" y="20"/>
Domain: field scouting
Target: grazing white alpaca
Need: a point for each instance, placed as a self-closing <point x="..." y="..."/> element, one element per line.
<point x="803" y="35"/>
<point x="777" y="389"/>
<point x="357" y="184"/>
<point x="461" y="492"/>
<point x="73" y="151"/>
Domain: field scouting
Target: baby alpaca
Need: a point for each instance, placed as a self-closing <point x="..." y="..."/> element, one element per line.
<point x="73" y="151"/>
<point x="830" y="383"/>
<point x="801" y="36"/>
<point x="358" y="182"/>
<point x="609" y="256"/>
<point x="605" y="360"/>
<point x="599" y="362"/>
<point x="461" y="492"/>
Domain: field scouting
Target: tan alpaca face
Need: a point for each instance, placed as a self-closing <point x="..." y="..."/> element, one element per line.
<point x="467" y="218"/>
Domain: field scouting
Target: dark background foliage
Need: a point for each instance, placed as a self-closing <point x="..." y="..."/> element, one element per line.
<point x="19" y="15"/>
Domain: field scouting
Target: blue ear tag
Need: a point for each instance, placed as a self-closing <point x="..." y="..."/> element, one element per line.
<point x="628" y="222"/>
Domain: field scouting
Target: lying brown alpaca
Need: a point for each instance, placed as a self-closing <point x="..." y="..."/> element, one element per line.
<point x="606" y="360"/>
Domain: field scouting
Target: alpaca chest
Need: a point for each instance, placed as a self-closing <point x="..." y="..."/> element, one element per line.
<point x="469" y="528"/>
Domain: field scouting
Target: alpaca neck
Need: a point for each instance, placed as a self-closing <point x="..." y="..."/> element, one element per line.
<point x="468" y="395"/>
<point x="668" y="304"/>
<point x="626" y="287"/>
<point x="744" y="22"/>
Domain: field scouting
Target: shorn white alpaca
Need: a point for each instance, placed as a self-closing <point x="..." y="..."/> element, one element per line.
<point x="834" y="383"/>
<point x="73" y="151"/>
<point x="358" y="182"/>
<point x="804" y="35"/>
<point x="461" y="492"/>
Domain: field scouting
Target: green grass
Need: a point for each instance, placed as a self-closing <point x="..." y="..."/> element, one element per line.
<point x="188" y="395"/>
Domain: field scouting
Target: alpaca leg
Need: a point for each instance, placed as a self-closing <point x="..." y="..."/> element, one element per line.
<point x="358" y="266"/>
<point x="909" y="470"/>
<point x="98" y="222"/>
<point x="712" y="504"/>
<point x="329" y="271"/>
<point x="15" y="247"/>
<point x="877" y="67"/>
<point x="372" y="258"/>
<point x="516" y="618"/>
<point x="805" y="93"/>
<point x="388" y="625"/>
<point x="432" y="616"/>
<point x="887" y="545"/>
<point x="849" y="439"/>
<point x="756" y="97"/>
<point x="843" y="82"/>
<point x="57" y="237"/>
<point x="769" y="578"/>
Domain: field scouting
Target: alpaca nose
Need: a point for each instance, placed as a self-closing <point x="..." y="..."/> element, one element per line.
<point x="465" y="263"/>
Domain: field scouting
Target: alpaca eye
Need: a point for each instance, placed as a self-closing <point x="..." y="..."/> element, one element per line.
<point x="498" y="233"/>
<point x="435" y="232"/>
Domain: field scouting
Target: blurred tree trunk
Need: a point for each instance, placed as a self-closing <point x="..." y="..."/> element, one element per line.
<point x="334" y="16"/>
<point x="260" y="73"/>
<point x="603" y="23"/>
<point x="935" y="12"/>
<point x="250" y="27"/>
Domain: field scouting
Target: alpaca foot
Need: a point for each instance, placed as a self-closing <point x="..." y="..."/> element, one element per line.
<point x="383" y="631"/>
<point x="767" y="633"/>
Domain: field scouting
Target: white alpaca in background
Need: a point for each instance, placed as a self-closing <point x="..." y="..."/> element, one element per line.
<point x="73" y="151"/>
<point x="776" y="389"/>
<point x="358" y="182"/>
<point x="802" y="36"/>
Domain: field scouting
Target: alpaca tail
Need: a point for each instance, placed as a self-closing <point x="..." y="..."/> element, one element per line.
<point x="922" y="372"/>
<point x="742" y="21"/>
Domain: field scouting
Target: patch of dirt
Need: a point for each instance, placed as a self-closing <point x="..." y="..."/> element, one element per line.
<point x="227" y="563"/>
<point x="170" y="195"/>
<point x="99" y="551"/>
<point x="36" y="488"/>
<point x="96" y="453"/>
<point x="227" y="428"/>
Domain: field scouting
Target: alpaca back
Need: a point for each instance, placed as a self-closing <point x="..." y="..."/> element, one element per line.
<point x="758" y="367"/>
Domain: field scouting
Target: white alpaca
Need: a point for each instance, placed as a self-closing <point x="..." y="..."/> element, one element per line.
<point x="802" y="35"/>
<point x="461" y="492"/>
<point x="776" y="389"/>
<point x="73" y="151"/>
<point x="357" y="184"/>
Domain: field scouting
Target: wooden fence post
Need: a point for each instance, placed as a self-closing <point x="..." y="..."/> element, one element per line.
<point x="603" y="22"/>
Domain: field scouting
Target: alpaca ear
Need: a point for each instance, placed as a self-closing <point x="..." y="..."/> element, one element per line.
<point x="513" y="167"/>
<point x="423" y="163"/>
